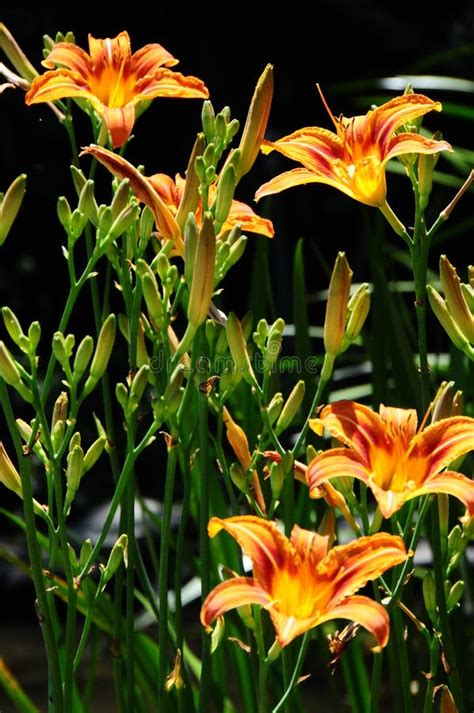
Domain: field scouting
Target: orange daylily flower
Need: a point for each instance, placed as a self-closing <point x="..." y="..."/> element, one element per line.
<point x="300" y="582"/>
<point x="113" y="79"/>
<point x="390" y="456"/>
<point x="353" y="159"/>
<point x="163" y="196"/>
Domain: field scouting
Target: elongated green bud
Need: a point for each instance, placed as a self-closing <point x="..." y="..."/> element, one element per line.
<point x="85" y="552"/>
<point x="16" y="55"/>
<point x="93" y="453"/>
<point x="127" y="217"/>
<point x="25" y="431"/>
<point x="236" y="251"/>
<point x="78" y="178"/>
<point x="225" y="194"/>
<point x="10" y="205"/>
<point x="60" y="409"/>
<point x="87" y="203"/>
<point x="121" y="197"/>
<point x="277" y="479"/>
<point x="274" y="341"/>
<point x="429" y="596"/>
<point x="238" y="349"/>
<point x="74" y="473"/>
<point x="119" y="553"/>
<point x="103" y="350"/>
<point x="147" y="221"/>
<point x="14" y="329"/>
<point x="439" y="307"/>
<point x="358" y="309"/>
<point x="137" y="387"/>
<point x="202" y="284"/>
<point x="455" y="594"/>
<point x="274" y="407"/>
<point x="64" y="213"/>
<point x="8" y="368"/>
<point x="83" y="356"/>
<point x="290" y="409"/>
<point x="121" y="394"/>
<point x="9" y="475"/>
<point x="34" y="334"/>
<point x="237" y="475"/>
<point x="456" y="304"/>
<point x="208" y="119"/>
<point x="150" y="292"/>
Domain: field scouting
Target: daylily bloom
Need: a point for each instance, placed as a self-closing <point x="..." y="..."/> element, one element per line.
<point x="354" y="158"/>
<point x="113" y="80"/>
<point x="390" y="456"/>
<point x="163" y="196"/>
<point x="299" y="581"/>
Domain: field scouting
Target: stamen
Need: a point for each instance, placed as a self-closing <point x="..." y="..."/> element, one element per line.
<point x="323" y="99"/>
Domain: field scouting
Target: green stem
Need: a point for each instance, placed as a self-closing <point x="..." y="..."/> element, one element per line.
<point x="54" y="672"/>
<point x="130" y="575"/>
<point x="376" y="683"/>
<point x="326" y="372"/>
<point x="163" y="574"/>
<point x="430" y="679"/>
<point x="263" y="664"/>
<point x="401" y="649"/>
<point x="445" y="625"/>
<point x="204" y="462"/>
<point x="296" y="673"/>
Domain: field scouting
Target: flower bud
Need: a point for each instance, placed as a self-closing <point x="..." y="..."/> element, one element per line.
<point x="83" y="356"/>
<point x="10" y="205"/>
<point x="290" y="409"/>
<point x="217" y="633"/>
<point x="119" y="553"/>
<point x="137" y="387"/>
<point x="146" y="224"/>
<point x="237" y="476"/>
<point x="202" y="284"/>
<point x="57" y="435"/>
<point x="454" y="297"/>
<point x="238" y="349"/>
<point x="93" y="453"/>
<point x="237" y="439"/>
<point x="336" y="308"/>
<point x="150" y="292"/>
<point x="103" y="350"/>
<point x="236" y="251"/>
<point x="34" y="335"/>
<point x="25" y="431"/>
<point x="74" y="472"/>
<point x="85" y="553"/>
<point x="64" y="213"/>
<point x="60" y="409"/>
<point x="16" y="55"/>
<point x="358" y="309"/>
<point x="277" y="479"/>
<point x="454" y="595"/>
<point x="175" y="679"/>
<point x="439" y="307"/>
<point x="273" y="345"/>
<point x="9" y="475"/>
<point x="208" y="119"/>
<point x="274" y="407"/>
<point x="121" y="197"/>
<point x="14" y="329"/>
<point x="190" y="198"/>
<point x="256" y="122"/>
<point x="174" y="392"/>
<point x="121" y="394"/>
<point x="126" y="218"/>
<point x="446" y="403"/>
<point x="87" y="203"/>
<point x="8" y="368"/>
<point x="426" y="165"/>
<point x="225" y="194"/>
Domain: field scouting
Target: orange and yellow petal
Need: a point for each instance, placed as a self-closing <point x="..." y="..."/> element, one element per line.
<point x="59" y="84"/>
<point x="390" y="501"/>
<point x="233" y="593"/>
<point x="113" y="52"/>
<point x="450" y="483"/>
<point x="69" y="56"/>
<point x="151" y="57"/>
<point x="442" y="443"/>
<point x="355" y="425"/>
<point x="289" y="179"/>
<point x="166" y="83"/>
<point x="400" y="423"/>
<point x="347" y="568"/>
<point x="288" y="627"/>
<point x="267" y="547"/>
<point x="334" y="463"/>
<point x="144" y="191"/>
<point x="414" y="143"/>
<point x="119" y="121"/>
<point x="386" y="119"/>
<point x="166" y="189"/>
<point x="243" y="215"/>
<point x="313" y="147"/>
<point x="369" y="614"/>
<point x="309" y="545"/>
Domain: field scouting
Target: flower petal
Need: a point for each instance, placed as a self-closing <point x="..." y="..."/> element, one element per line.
<point x="332" y="464"/>
<point x="70" y="56"/>
<point x="59" y="84"/>
<point x="440" y="444"/>
<point x="309" y="545"/>
<point x="289" y="627"/>
<point x="267" y="547"/>
<point x="119" y="122"/>
<point x="299" y="177"/>
<point x="151" y="57"/>
<point x="313" y="147"/>
<point x="166" y="83"/>
<point x="451" y="483"/>
<point x="401" y="423"/>
<point x="385" y="119"/>
<point x="355" y="425"/>
<point x="347" y="568"/>
<point x="389" y="501"/>
<point x="415" y="143"/>
<point x="113" y="52"/>
<point x="242" y="214"/>
<point x="144" y="190"/>
<point x="232" y="593"/>
<point x="369" y="614"/>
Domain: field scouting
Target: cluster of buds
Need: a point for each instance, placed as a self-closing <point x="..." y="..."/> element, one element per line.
<point x="456" y="311"/>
